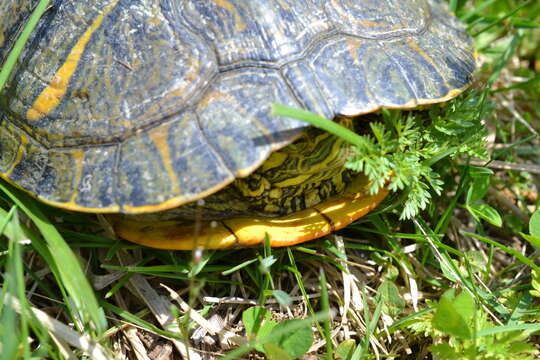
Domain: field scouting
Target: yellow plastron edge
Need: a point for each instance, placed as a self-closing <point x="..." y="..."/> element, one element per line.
<point x="289" y="230"/>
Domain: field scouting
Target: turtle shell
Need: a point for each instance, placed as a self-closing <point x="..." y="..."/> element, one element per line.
<point x="138" y="106"/>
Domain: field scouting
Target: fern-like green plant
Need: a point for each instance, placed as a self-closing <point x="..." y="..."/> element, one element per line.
<point x="401" y="148"/>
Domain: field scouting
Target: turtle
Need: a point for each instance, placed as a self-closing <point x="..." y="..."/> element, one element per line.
<point x="157" y="113"/>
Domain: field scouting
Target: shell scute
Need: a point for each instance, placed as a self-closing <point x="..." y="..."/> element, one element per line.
<point x="348" y="94"/>
<point x="22" y="159"/>
<point x="72" y="177"/>
<point x="235" y="117"/>
<point x="167" y="165"/>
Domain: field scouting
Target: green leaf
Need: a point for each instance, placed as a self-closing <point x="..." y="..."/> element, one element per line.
<point x="296" y="343"/>
<point x="533" y="240"/>
<point x="400" y="148"/>
<point x="480" y="184"/>
<point x="394" y="303"/>
<point x="448" y="318"/>
<point x="282" y="297"/>
<point x="345" y="350"/>
<point x="264" y="331"/>
<point x="485" y="212"/>
<point x="479" y="171"/>
<point x="253" y="319"/>
<point x="535" y="283"/>
<point x="476" y="259"/>
<point x="524" y="23"/>
<point x="274" y="352"/>
<point x="534" y="230"/>
<point x="534" y="224"/>
<point x="521" y="347"/>
<point x="266" y="264"/>
<point x="445" y="351"/>
<point x="257" y="322"/>
<point x="465" y="305"/>
<point x="448" y="270"/>
<point x="515" y="331"/>
<point x="391" y="272"/>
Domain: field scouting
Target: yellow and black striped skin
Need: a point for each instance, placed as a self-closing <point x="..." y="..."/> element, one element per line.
<point x="138" y="106"/>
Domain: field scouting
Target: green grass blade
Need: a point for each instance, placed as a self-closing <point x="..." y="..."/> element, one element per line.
<point x="38" y="245"/>
<point x="503" y="60"/>
<point x="17" y="271"/>
<point x="506" y="249"/>
<point x="14" y="54"/>
<point x="509" y="328"/>
<point x="68" y="266"/>
<point x="319" y="122"/>
<point x="10" y="337"/>
<point x="239" y="267"/>
<point x="325" y="308"/>
<point x="500" y="20"/>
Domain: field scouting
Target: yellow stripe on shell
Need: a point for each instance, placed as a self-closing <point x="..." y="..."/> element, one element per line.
<point x="20" y="154"/>
<point x="414" y="45"/>
<point x="159" y="138"/>
<point x="53" y="94"/>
